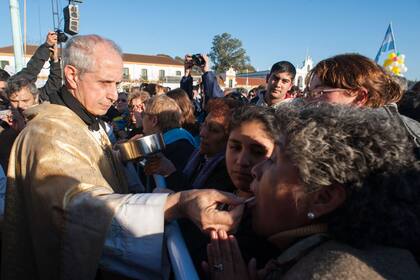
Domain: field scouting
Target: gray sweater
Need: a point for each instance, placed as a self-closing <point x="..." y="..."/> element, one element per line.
<point x="334" y="260"/>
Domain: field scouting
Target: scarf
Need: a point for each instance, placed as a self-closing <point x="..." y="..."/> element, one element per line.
<point x="73" y="104"/>
<point x="197" y="178"/>
<point x="176" y="134"/>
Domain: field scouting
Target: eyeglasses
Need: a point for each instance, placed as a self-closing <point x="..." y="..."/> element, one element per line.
<point x="136" y="107"/>
<point x="317" y="92"/>
<point x="121" y="100"/>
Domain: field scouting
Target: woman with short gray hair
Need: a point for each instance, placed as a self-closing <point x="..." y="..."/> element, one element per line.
<point x="339" y="198"/>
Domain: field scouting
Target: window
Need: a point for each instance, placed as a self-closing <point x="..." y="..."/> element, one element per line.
<point x="309" y="68"/>
<point x="161" y="75"/>
<point x="300" y="82"/>
<point x="178" y="73"/>
<point x="3" y="63"/>
<point x="231" y="83"/>
<point x="126" y="74"/>
<point x="144" y="74"/>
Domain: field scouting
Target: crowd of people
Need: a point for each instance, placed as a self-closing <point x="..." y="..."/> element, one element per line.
<point x="272" y="183"/>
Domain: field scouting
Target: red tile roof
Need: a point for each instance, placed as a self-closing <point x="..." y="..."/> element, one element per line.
<point x="151" y="59"/>
<point x="127" y="57"/>
<point x="241" y="81"/>
<point x="30" y="49"/>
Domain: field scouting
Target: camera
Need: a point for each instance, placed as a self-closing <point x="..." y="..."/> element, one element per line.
<point x="198" y="60"/>
<point x="4" y="115"/>
<point x="61" y="36"/>
<point x="6" y="112"/>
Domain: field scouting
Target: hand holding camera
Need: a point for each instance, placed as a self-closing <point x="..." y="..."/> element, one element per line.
<point x="200" y="60"/>
<point x="204" y="63"/>
<point x="188" y="64"/>
<point x="52" y="39"/>
<point x="6" y="116"/>
<point x="61" y="36"/>
<point x="14" y="118"/>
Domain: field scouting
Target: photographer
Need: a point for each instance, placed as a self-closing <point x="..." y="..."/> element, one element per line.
<point x="48" y="50"/>
<point x="4" y="102"/>
<point x="22" y="93"/>
<point x="210" y="86"/>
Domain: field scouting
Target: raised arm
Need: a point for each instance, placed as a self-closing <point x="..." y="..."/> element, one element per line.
<point x="211" y="87"/>
<point x="187" y="80"/>
<point x="37" y="61"/>
<point x="49" y="91"/>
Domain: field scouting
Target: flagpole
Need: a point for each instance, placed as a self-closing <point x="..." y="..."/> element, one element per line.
<point x="17" y="34"/>
<point x="24" y="29"/>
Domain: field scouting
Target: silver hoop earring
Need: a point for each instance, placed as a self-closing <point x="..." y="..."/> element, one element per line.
<point x="311" y="215"/>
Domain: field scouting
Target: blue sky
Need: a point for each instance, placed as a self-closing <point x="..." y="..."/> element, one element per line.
<point x="269" y="30"/>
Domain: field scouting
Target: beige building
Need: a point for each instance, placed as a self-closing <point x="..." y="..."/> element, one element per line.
<point x="231" y="80"/>
<point x="138" y="68"/>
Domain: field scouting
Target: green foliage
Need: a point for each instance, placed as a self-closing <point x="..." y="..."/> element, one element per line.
<point x="179" y="59"/>
<point x="228" y="52"/>
<point x="247" y="69"/>
<point x="165" y="55"/>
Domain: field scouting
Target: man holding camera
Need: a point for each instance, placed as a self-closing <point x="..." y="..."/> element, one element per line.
<point x="4" y="102"/>
<point x="48" y="50"/>
<point x="22" y="93"/>
<point x="210" y="86"/>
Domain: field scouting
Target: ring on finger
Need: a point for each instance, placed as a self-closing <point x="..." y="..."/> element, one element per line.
<point x="218" y="267"/>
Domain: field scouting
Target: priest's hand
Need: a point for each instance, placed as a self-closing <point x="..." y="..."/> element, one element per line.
<point x="201" y="207"/>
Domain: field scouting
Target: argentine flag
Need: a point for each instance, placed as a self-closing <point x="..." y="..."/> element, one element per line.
<point x="388" y="43"/>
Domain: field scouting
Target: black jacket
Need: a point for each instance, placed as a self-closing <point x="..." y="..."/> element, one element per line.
<point x="34" y="66"/>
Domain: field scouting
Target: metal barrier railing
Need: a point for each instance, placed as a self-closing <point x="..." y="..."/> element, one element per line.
<point x="182" y="265"/>
<point x="181" y="262"/>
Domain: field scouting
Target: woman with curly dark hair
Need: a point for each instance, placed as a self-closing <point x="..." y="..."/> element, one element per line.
<point x="339" y="198"/>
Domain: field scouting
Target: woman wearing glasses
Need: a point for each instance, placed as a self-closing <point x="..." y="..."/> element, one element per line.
<point x="136" y="105"/>
<point x="353" y="79"/>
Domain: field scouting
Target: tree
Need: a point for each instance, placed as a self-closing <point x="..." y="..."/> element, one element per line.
<point x="179" y="59"/>
<point x="227" y="52"/>
<point x="248" y="69"/>
<point x="165" y="55"/>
